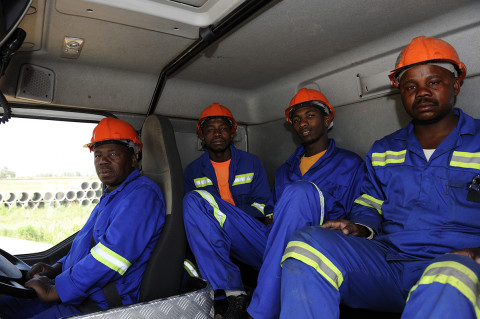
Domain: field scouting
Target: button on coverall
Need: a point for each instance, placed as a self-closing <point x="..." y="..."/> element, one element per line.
<point x="420" y="210"/>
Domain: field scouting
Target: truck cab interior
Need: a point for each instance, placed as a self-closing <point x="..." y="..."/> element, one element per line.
<point x="158" y="63"/>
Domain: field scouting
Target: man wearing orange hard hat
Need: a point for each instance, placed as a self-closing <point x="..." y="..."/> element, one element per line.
<point x="226" y="191"/>
<point x="317" y="183"/>
<point x="108" y="257"/>
<point x="421" y="197"/>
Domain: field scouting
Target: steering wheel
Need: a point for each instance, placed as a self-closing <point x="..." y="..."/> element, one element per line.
<point x="12" y="276"/>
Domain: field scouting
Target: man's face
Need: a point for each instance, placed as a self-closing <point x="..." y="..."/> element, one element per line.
<point x="217" y="134"/>
<point x="113" y="163"/>
<point x="428" y="93"/>
<point x="310" y="124"/>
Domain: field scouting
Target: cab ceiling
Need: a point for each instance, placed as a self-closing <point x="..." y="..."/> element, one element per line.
<point x="127" y="47"/>
<point x="291" y="35"/>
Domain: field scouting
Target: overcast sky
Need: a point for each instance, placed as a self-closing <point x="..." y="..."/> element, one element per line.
<point x="29" y="147"/>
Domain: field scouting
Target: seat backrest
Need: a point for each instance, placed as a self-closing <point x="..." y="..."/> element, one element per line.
<point x="161" y="163"/>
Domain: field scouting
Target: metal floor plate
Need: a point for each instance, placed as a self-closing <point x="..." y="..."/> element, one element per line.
<point x="197" y="305"/>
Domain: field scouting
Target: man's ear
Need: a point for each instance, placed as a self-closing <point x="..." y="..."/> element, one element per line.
<point x="456" y="86"/>
<point x="327" y="120"/>
<point x="134" y="160"/>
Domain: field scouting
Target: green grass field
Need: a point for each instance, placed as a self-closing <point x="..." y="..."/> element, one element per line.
<point x="45" y="225"/>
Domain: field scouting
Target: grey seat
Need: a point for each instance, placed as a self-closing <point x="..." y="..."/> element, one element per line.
<point x="161" y="163"/>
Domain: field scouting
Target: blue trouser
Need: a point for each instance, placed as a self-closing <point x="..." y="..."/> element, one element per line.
<point x="18" y="308"/>
<point x="300" y="205"/>
<point x="217" y="230"/>
<point x="322" y="268"/>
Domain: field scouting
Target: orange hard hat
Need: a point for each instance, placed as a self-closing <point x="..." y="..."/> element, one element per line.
<point x="215" y="110"/>
<point x="111" y="128"/>
<point x="307" y="95"/>
<point x="422" y="49"/>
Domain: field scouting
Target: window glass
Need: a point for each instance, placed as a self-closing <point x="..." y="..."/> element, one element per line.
<point x="48" y="184"/>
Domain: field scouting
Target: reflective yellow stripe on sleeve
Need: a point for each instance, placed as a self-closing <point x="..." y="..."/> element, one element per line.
<point x="369" y="201"/>
<point x="202" y="182"/>
<point x="312" y="257"/>
<point x="110" y="258"/>
<point x="243" y="179"/>
<point x="456" y="275"/>
<point x="219" y="216"/>
<point x="389" y="157"/>
<point x="465" y="160"/>
<point x="260" y="207"/>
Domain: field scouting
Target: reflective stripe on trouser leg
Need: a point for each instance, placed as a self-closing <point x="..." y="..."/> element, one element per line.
<point x="312" y="257"/>
<point x="451" y="282"/>
<point x="216" y="211"/>
<point x="321" y="203"/>
<point x="301" y="204"/>
<point x="191" y="269"/>
<point x="338" y="265"/>
<point x="305" y="294"/>
<point x="214" y="243"/>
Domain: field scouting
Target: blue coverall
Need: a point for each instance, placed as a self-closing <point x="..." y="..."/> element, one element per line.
<point x="216" y="229"/>
<point x="326" y="191"/>
<point x="421" y="210"/>
<point x="125" y="225"/>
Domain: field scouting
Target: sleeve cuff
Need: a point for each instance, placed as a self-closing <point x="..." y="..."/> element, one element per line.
<point x="372" y="233"/>
<point x="66" y="289"/>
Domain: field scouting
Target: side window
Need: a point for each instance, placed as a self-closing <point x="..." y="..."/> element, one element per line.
<point x="48" y="184"/>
